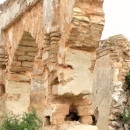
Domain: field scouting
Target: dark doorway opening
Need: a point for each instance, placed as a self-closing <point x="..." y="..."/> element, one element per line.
<point x="2" y="89"/>
<point x="47" y="121"/>
<point x="72" y="116"/>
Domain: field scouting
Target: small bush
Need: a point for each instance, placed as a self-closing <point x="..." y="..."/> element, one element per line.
<point x="125" y="117"/>
<point x="29" y="121"/>
<point x="127" y="80"/>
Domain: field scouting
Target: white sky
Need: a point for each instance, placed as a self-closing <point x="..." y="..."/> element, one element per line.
<point x="1" y="1"/>
<point x="117" y="18"/>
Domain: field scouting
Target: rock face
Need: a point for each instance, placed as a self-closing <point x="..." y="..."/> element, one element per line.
<point x="47" y="61"/>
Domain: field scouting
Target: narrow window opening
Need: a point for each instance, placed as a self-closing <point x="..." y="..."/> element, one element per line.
<point x="3" y="67"/>
<point x="47" y="121"/>
<point x="54" y="82"/>
<point x="2" y="89"/>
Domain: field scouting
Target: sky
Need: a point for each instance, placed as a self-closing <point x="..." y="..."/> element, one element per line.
<point x="117" y="18"/>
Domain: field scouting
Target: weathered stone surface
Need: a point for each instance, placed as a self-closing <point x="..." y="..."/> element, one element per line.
<point x="25" y="58"/>
<point x="77" y="127"/>
<point x="18" y="77"/>
<point x="112" y="53"/>
<point x="102" y="90"/>
<point x="27" y="64"/>
<point x="28" y="43"/>
<point x="27" y="49"/>
<point x="85" y="110"/>
<point x="16" y="63"/>
<point x="20" y="69"/>
<point x="20" y="53"/>
<point x="23" y="89"/>
<point x="77" y="71"/>
<point x="86" y="120"/>
<point x="37" y="100"/>
<point x="48" y="52"/>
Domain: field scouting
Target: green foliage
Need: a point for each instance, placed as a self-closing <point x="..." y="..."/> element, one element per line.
<point x="125" y="117"/>
<point x="126" y="113"/>
<point x="127" y="80"/>
<point x="29" y="121"/>
<point x="127" y="84"/>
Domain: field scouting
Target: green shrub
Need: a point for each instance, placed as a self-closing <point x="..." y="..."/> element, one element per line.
<point x="125" y="117"/>
<point x="126" y="113"/>
<point x="29" y="121"/>
<point x="127" y="80"/>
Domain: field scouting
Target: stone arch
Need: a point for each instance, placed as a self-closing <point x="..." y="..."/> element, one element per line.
<point x="24" y="54"/>
<point x="18" y="86"/>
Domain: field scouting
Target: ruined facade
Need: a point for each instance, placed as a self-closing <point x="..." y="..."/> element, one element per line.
<point x="51" y="59"/>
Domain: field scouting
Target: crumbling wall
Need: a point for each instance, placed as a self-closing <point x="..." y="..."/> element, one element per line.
<point x="50" y="57"/>
<point x="23" y="46"/>
<point x="112" y="65"/>
<point x="75" y="50"/>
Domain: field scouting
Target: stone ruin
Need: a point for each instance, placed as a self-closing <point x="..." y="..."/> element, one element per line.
<point x="52" y="59"/>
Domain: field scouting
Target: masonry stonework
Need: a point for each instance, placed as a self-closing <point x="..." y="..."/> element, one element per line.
<point x="51" y="59"/>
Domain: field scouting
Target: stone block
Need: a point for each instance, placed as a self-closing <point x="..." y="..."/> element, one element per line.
<point x="19" y="69"/>
<point x="77" y="10"/>
<point x="62" y="109"/>
<point x="27" y="49"/>
<point x="31" y="53"/>
<point x="86" y="120"/>
<point x="27" y="64"/>
<point x="17" y="77"/>
<point x="28" y="43"/>
<point x="85" y="110"/>
<point x="37" y="100"/>
<point x="45" y="55"/>
<point x="58" y="119"/>
<point x="83" y="102"/>
<point x="2" y="59"/>
<point x="23" y="90"/>
<point x="19" y="53"/>
<point x="82" y="18"/>
<point x="25" y="58"/>
<point x="2" y="52"/>
<point x="14" y="97"/>
<point x="57" y="109"/>
<point x="16" y="63"/>
<point x="73" y="126"/>
<point x="97" y="19"/>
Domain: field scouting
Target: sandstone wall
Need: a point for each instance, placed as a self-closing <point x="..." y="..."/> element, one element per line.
<point x="22" y="47"/>
<point x="48" y="53"/>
